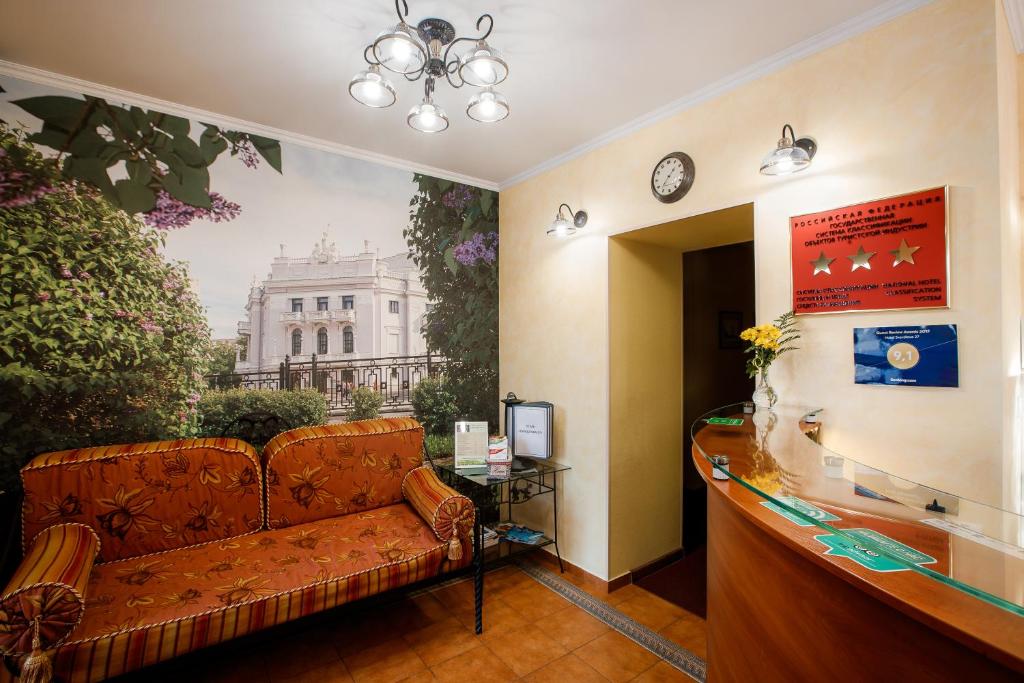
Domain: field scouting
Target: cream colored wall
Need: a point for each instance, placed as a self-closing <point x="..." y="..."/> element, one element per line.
<point x="1010" y="222"/>
<point x="645" y="316"/>
<point x="910" y="105"/>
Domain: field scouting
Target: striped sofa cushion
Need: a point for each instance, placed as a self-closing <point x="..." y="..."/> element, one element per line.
<point x="148" y="497"/>
<point x="319" y="472"/>
<point x="48" y="587"/>
<point x="149" y="609"/>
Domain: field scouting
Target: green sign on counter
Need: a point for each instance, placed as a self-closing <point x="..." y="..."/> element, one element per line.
<point x="730" y="421"/>
<point x="812" y="511"/>
<point x="863" y="555"/>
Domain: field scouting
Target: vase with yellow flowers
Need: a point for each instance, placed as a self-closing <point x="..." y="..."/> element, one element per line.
<point x="767" y="343"/>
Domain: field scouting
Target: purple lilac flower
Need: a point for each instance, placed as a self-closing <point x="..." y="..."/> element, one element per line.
<point x="247" y="153"/>
<point x="457" y="198"/>
<point x="170" y="213"/>
<point x="84" y="275"/>
<point x="17" y="187"/>
<point x="43" y="296"/>
<point x="66" y="273"/>
<point x="88" y="316"/>
<point x="481" y="248"/>
<point x="148" y="325"/>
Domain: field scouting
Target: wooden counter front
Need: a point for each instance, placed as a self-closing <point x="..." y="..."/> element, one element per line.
<point x="780" y="610"/>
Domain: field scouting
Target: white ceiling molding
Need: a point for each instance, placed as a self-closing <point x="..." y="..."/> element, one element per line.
<point x="1015" y="18"/>
<point x="42" y="77"/>
<point x="824" y="40"/>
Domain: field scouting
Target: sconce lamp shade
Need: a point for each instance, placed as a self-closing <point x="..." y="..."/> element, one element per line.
<point x="564" y="227"/>
<point x="790" y="156"/>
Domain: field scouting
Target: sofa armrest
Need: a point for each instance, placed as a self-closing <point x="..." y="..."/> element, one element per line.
<point x="449" y="513"/>
<point x="45" y="599"/>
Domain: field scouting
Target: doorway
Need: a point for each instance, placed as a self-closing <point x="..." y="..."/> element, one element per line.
<point x="680" y="294"/>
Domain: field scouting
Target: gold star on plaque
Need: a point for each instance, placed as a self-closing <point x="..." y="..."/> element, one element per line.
<point x="862" y="259"/>
<point x="822" y="263"/>
<point x="904" y="253"/>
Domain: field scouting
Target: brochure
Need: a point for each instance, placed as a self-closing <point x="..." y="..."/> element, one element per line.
<point x="470" y="444"/>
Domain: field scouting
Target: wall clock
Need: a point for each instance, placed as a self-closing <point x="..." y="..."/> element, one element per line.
<point x="672" y="177"/>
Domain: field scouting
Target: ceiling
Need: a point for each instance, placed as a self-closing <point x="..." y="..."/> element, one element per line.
<point x="580" y="71"/>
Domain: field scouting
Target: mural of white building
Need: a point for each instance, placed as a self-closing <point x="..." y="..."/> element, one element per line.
<point x="338" y="307"/>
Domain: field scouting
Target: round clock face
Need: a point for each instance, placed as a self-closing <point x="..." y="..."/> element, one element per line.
<point x="672" y="177"/>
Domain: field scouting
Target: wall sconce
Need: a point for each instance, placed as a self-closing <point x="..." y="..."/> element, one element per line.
<point x="562" y="226"/>
<point x="790" y="156"/>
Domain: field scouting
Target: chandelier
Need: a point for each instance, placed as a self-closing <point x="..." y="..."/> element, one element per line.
<point x="424" y="51"/>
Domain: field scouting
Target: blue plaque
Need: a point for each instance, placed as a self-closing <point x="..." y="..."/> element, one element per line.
<point x="913" y="355"/>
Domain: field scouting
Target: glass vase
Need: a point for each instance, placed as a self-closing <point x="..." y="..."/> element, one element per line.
<point x="764" y="395"/>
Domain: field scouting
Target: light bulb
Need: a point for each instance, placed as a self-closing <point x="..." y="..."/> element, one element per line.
<point x="427" y="117"/>
<point x="487" y="106"/>
<point x="484" y="71"/>
<point x="371" y="89"/>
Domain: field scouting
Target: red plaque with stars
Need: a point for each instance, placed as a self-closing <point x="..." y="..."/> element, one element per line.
<point x="881" y="255"/>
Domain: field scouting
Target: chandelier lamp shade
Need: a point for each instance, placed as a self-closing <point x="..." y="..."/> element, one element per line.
<point x="791" y="155"/>
<point x="425" y="52"/>
<point x="563" y="226"/>
<point x="370" y="88"/>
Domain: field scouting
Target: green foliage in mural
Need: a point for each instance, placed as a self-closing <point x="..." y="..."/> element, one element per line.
<point x="434" y="405"/>
<point x="222" y="359"/>
<point x="137" y="157"/>
<point x="218" y="410"/>
<point x="366" y="404"/>
<point x="453" y="235"/>
<point x="101" y="340"/>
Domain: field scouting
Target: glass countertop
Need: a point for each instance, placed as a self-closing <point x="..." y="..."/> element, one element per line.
<point x="537" y="468"/>
<point x="881" y="521"/>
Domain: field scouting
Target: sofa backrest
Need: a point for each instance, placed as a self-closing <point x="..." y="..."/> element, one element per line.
<point x="318" y="472"/>
<point x="148" y="497"/>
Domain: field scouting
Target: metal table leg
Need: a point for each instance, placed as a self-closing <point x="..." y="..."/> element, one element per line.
<point x="478" y="550"/>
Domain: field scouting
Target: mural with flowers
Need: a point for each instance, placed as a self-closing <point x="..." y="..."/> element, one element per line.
<point x="453" y="235"/>
<point x="132" y="239"/>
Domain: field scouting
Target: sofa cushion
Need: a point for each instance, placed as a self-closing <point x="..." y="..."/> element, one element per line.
<point x="145" y="498"/>
<point x="148" y="609"/>
<point x="319" y="472"/>
<point x="46" y="591"/>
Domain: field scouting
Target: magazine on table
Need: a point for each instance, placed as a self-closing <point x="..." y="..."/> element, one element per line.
<point x="516" y="533"/>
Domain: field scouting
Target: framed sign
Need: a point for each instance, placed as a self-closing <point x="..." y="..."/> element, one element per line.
<point x="922" y="356"/>
<point x="528" y="426"/>
<point x="887" y="254"/>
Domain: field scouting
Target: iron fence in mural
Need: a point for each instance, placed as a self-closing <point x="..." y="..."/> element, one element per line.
<point x="394" y="377"/>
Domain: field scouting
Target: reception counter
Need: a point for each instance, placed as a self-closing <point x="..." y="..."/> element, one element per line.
<point x="821" y="568"/>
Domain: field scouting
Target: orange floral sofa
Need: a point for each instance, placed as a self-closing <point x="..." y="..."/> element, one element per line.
<point x="137" y="554"/>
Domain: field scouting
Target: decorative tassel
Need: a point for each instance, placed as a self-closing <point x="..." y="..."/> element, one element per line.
<point x="455" y="549"/>
<point x="37" y="667"/>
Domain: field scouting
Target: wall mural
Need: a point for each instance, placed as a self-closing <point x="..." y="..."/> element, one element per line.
<point x="150" y="262"/>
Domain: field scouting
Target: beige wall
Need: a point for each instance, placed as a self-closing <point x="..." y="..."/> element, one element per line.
<point x="910" y="105"/>
<point x="646" y="402"/>
<point x="1010" y="210"/>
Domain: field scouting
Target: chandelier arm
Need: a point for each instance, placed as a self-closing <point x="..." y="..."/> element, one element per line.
<point x="490" y="28"/>
<point x="368" y="56"/>
<point x="792" y="135"/>
<point x="415" y="75"/>
<point x="401" y="17"/>
<point x="452" y="67"/>
<point x="571" y="214"/>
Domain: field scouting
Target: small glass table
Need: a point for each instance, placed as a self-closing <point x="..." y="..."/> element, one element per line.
<point x="494" y="498"/>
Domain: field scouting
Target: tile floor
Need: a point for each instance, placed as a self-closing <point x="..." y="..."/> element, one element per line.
<point x="530" y="634"/>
